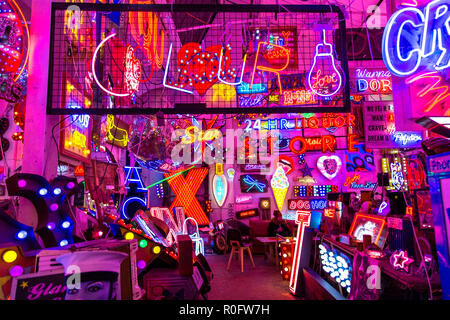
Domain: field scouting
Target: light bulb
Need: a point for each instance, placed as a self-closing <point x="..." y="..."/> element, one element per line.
<point x="324" y="78"/>
<point x="220" y="185"/>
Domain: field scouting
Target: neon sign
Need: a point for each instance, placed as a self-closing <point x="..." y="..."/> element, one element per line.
<point x="303" y="219"/>
<point x="324" y="84"/>
<point x="416" y="38"/>
<point x="132" y="175"/>
<point x="337" y="265"/>
<point x="373" y="82"/>
<point x="329" y="166"/>
<point x="244" y="199"/>
<point x="264" y="68"/>
<point x="314" y="191"/>
<point x="352" y="183"/>
<point x="431" y="92"/>
<point x="300" y="204"/>
<point x="400" y="260"/>
<point x="132" y="71"/>
<point x="251" y="184"/>
<point x="80" y="120"/>
<point x="185" y="189"/>
<point x="254" y="100"/>
<point x="407" y="139"/>
<point x="220" y="185"/>
<point x="300" y="123"/>
<point x="280" y="185"/>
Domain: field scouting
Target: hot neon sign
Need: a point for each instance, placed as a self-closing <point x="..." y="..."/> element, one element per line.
<point x="416" y="38"/>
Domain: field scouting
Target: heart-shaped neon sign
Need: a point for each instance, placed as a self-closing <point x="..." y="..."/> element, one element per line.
<point x="329" y="166"/>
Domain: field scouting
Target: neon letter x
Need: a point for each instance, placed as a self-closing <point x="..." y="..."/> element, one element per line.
<point x="185" y="189"/>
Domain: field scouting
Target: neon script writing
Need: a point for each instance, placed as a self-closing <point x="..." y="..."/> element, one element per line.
<point x="406" y="139"/>
<point x="416" y="38"/>
<point x="325" y="83"/>
<point x="193" y="134"/>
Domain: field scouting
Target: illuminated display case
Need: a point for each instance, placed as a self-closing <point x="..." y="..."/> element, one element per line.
<point x="372" y="225"/>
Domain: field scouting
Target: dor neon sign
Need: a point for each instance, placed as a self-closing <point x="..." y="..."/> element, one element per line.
<point x="416" y="38"/>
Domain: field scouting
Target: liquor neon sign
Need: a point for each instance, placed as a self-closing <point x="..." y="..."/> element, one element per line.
<point x="416" y="38"/>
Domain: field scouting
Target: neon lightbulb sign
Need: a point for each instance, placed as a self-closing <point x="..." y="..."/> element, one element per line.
<point x="220" y="185"/>
<point x="414" y="38"/>
<point x="325" y="85"/>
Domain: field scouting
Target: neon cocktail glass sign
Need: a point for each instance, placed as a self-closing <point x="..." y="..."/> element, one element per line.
<point x="416" y="38"/>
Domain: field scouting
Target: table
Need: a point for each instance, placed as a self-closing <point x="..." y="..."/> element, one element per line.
<point x="269" y="242"/>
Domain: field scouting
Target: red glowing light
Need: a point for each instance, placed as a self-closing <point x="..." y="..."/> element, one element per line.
<point x="303" y="220"/>
<point x="441" y="91"/>
<point x="185" y="189"/>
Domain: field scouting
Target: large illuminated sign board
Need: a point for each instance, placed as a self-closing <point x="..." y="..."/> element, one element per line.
<point x="418" y="38"/>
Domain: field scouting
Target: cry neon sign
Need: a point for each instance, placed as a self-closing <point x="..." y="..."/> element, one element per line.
<point x="416" y="38"/>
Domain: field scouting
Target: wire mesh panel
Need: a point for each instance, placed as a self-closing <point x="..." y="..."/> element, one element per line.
<point x="133" y="59"/>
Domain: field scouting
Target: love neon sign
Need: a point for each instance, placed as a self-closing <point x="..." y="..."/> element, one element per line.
<point x="416" y="38"/>
<point x="325" y="83"/>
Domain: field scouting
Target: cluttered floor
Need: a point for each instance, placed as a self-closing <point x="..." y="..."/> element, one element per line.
<point x="263" y="282"/>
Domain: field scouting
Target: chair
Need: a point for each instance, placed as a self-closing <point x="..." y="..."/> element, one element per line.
<point x="234" y="239"/>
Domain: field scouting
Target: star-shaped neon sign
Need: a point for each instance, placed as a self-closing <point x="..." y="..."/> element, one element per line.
<point x="400" y="260"/>
<point x="306" y="171"/>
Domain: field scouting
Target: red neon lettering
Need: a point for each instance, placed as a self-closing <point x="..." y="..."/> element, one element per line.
<point x="276" y="71"/>
<point x="351" y="142"/>
<point x="303" y="143"/>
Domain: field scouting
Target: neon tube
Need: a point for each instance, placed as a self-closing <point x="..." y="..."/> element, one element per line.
<point x="94" y="58"/>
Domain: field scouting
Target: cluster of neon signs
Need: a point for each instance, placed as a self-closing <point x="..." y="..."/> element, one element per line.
<point x="415" y="38"/>
<point x="373" y="82"/>
<point x="313" y="122"/>
<point x="313" y="204"/>
<point x="314" y="191"/>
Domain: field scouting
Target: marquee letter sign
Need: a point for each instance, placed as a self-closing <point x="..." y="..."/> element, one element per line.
<point x="416" y="38"/>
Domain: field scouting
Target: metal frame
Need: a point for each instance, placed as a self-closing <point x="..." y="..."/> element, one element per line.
<point x="199" y="108"/>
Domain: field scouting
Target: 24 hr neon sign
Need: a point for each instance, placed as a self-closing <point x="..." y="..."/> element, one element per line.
<point x="416" y="38"/>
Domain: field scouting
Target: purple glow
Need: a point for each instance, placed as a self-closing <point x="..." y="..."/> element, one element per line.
<point x="54" y="207"/>
<point x="22" y="183"/>
<point x="70" y="185"/>
<point x="51" y="226"/>
<point x="16" y="271"/>
<point x="141" y="264"/>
